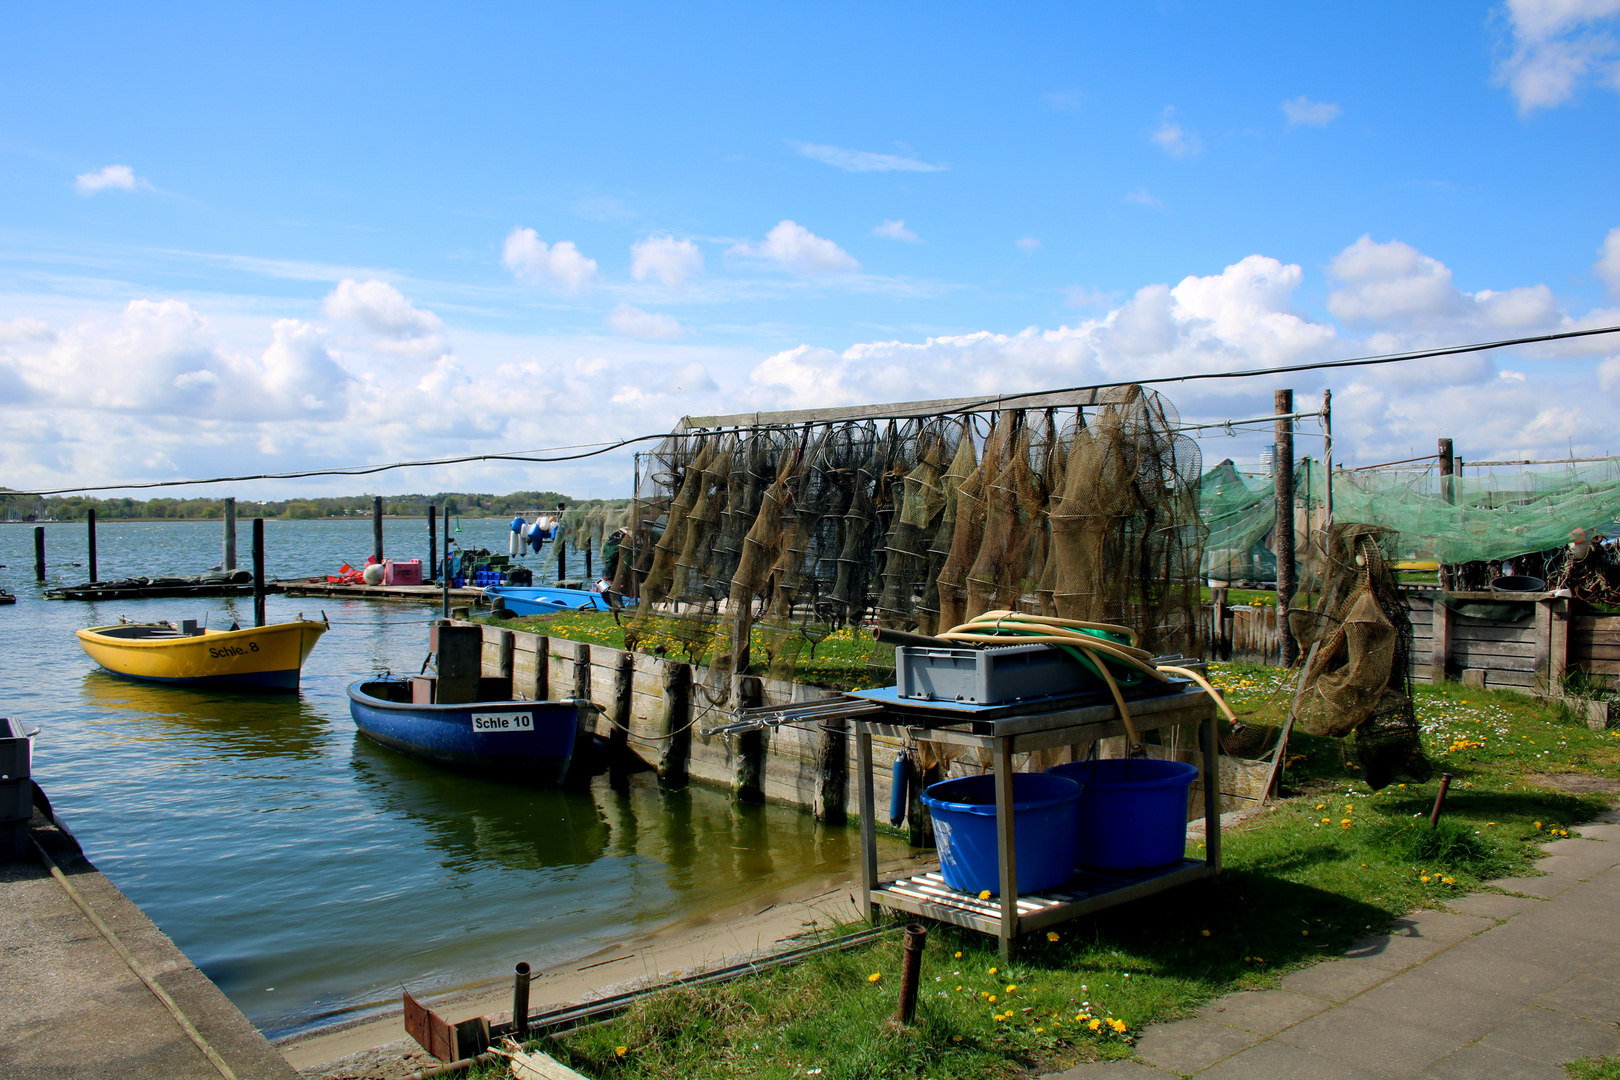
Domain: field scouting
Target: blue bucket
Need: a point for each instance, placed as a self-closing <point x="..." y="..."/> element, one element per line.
<point x="964" y="812"/>
<point x="1133" y="812"/>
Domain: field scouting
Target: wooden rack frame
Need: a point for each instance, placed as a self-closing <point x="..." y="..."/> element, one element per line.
<point x="1009" y="916"/>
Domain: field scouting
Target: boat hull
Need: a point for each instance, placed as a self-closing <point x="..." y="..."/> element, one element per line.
<point x="530" y="742"/>
<point x="526" y="600"/>
<point x="261" y="659"/>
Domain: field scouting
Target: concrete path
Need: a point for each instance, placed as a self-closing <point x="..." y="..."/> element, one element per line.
<point x="1500" y="987"/>
<point x="71" y="1007"/>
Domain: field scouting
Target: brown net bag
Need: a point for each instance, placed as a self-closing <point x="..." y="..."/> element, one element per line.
<point x="1013" y="503"/>
<point x="961" y="468"/>
<point x="969" y="531"/>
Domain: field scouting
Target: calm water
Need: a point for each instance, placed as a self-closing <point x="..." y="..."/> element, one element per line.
<point x="306" y="870"/>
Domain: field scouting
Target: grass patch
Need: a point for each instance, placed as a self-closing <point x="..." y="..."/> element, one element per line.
<point x="1330" y="863"/>
<point x="1594" y="1068"/>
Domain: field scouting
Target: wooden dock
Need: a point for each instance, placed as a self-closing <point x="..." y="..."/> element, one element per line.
<point x="420" y="594"/>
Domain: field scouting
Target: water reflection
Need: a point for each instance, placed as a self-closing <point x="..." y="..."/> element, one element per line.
<point x="210" y="722"/>
<point x="476" y="821"/>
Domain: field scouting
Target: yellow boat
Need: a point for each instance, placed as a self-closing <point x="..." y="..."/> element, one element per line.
<point x="259" y="658"/>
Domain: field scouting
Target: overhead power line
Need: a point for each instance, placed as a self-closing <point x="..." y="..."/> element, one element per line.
<point x="996" y="402"/>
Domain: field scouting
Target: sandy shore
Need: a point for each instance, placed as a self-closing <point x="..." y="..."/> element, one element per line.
<point x="376" y="1047"/>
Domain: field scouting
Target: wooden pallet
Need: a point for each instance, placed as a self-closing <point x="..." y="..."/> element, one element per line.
<point x="1088" y="891"/>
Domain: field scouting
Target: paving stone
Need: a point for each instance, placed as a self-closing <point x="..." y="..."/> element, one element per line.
<point x="1396" y="953"/>
<point x="1594" y="925"/>
<point x="1369" y="1040"/>
<point x="1444" y="926"/>
<point x="1415" y="998"/>
<point x="1590" y="996"/>
<point x="1189" y="1045"/>
<point x="1495" y="905"/>
<point x="1600" y="832"/>
<point x="1479" y="968"/>
<point x="1111" y="1070"/>
<point x="1489" y="1063"/>
<point x="1575" y="867"/>
<point x="1543" y="887"/>
<point x="1554" y="1037"/>
<point x="1606" y="969"/>
<point x="1581" y="847"/>
<point x="1338" y="980"/>
<point x="1541" y="938"/>
<point x="1263" y="1012"/>
<point x="1284" y="1061"/>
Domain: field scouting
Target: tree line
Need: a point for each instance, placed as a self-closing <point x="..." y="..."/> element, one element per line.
<point x="15" y="507"/>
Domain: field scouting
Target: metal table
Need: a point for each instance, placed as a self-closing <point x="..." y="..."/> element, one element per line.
<point x="1015" y="728"/>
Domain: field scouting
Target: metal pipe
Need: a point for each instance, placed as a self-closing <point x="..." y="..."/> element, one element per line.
<point x="258" y="571"/>
<point x="376" y="528"/>
<point x="39" y="553"/>
<point x="90" y="520"/>
<point x="910" y="971"/>
<point x="447" y="574"/>
<point x="902" y="637"/>
<point x="1327" y="453"/>
<point x="520" y="1001"/>
<point x="1439" y="799"/>
<point x="1282" y="468"/>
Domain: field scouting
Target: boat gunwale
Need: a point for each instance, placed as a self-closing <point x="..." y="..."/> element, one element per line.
<point x="370" y="701"/>
<point x="98" y="635"/>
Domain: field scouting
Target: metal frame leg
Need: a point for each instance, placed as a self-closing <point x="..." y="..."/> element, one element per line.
<point x="1006" y="847"/>
<point x="1212" y="792"/>
<point x="868" y="807"/>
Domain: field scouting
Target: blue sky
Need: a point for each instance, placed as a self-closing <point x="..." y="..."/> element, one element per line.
<point x="294" y="237"/>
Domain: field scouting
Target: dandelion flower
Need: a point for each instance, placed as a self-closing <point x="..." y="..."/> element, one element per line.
<point x="1040" y="1031"/>
<point x="984" y="894"/>
<point x="992" y="971"/>
<point x="956" y="1038"/>
<point x="1095" y="1025"/>
<point x="620" y="1051"/>
<point x="876" y="975"/>
<point x="1424" y="879"/>
<point x="1204" y="932"/>
<point x="992" y="999"/>
<point x="1051" y="935"/>
<point x="959" y="956"/>
<point x="1118" y="1025"/>
<point x="1307" y="933"/>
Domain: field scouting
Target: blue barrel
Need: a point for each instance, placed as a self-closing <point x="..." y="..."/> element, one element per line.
<point x="1133" y="812"/>
<point x="964" y="812"/>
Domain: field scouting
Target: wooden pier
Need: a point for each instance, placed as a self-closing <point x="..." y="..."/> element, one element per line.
<point x="421" y="594"/>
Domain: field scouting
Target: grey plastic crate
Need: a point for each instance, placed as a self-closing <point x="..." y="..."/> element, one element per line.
<point x="987" y="676"/>
<point x="15" y="750"/>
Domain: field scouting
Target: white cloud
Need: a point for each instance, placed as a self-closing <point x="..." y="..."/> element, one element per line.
<point x="800" y="250"/>
<point x="1557" y="45"/>
<point x="633" y="322"/>
<point x="533" y="262"/>
<point x="670" y="260"/>
<point x="1142" y="197"/>
<point x="1303" y="112"/>
<point x="1078" y="296"/>
<point x="1608" y="265"/>
<point x="24" y="329"/>
<point x="1397" y="288"/>
<point x="1174" y="139"/>
<point x="381" y="308"/>
<point x="864" y="161"/>
<point x="1026" y="243"/>
<point x="108" y="178"/>
<point x="896" y="230"/>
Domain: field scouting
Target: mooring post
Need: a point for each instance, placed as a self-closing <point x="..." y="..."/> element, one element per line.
<point x="587" y="550"/>
<point x="748" y="762"/>
<point x="258" y="571"/>
<point x="227" y="560"/>
<point x="520" y="1001"/>
<point x="832" y="772"/>
<point x="911" y="971"/>
<point x="90" y="521"/>
<point x="1283" y="471"/>
<point x="676" y="728"/>
<point x="376" y="528"/>
<point x="433" y="540"/>
<point x="1448" y="494"/>
<point x="39" y="553"/>
<point x="446" y="568"/>
<point x="582" y="671"/>
<point x="624" y="689"/>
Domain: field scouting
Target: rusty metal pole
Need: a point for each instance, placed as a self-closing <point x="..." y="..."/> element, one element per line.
<point x="1439" y="799"/>
<point x="258" y="571"/>
<point x="911" y="971"/>
<point x="39" y="553"/>
<point x="227" y="555"/>
<point x="433" y="542"/>
<point x="377" y="528"/>
<point x="1283" y="475"/>
<point x="90" y="519"/>
<point x="520" y="1001"/>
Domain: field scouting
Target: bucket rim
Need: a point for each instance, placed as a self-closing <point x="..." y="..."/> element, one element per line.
<point x="933" y="802"/>
<point x="1176" y="773"/>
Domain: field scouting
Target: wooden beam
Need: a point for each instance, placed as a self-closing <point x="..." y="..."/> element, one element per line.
<point x="988" y="403"/>
<point x="1440" y="653"/>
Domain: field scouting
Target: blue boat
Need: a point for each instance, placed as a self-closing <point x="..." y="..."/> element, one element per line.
<point x="524" y="600"/>
<point x="530" y="742"/>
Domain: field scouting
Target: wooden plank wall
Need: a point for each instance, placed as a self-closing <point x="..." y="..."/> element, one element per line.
<point x="790" y="770"/>
<point x="1255" y="637"/>
<point x="1594" y="647"/>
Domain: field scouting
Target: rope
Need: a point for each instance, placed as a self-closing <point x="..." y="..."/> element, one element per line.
<point x="129" y="961"/>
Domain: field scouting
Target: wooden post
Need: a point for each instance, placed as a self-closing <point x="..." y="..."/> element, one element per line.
<point x="376" y="527"/>
<point x="258" y="571"/>
<point x="1448" y="495"/>
<point x="587" y="550"/>
<point x="538" y="687"/>
<point x="1558" y="643"/>
<point x="1283" y="473"/>
<point x="90" y="521"/>
<point x="676" y="726"/>
<point x="562" y="560"/>
<point x="1440" y="656"/>
<point x="624" y="691"/>
<point x="582" y="671"/>
<point x="433" y="541"/>
<point x="747" y="783"/>
<point x="505" y="658"/>
<point x="832" y="773"/>
<point x="39" y="553"/>
<point x="227" y="560"/>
